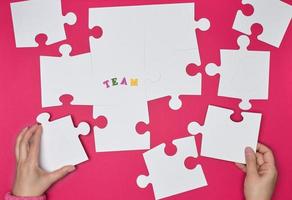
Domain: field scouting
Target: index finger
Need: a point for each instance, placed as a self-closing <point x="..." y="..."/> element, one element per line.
<point x="267" y="153"/>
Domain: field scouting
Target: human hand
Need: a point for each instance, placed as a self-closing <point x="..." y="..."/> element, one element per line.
<point x="261" y="173"/>
<point x="31" y="180"/>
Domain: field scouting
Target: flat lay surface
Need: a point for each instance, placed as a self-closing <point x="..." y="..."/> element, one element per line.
<point x="112" y="175"/>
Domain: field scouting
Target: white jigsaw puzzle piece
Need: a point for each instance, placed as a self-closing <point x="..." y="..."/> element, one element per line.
<point x="225" y="139"/>
<point x="66" y="75"/>
<point x="274" y="25"/>
<point x="171" y="44"/>
<point x="171" y="27"/>
<point x="118" y="54"/>
<point x="60" y="144"/>
<point x="244" y="74"/>
<point x="34" y="17"/>
<point x="168" y="174"/>
<point x="174" y="79"/>
<point x="120" y="133"/>
<point x="135" y="35"/>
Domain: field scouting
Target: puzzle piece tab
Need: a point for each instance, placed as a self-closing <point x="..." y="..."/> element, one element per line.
<point x="274" y="25"/>
<point x="34" y="17"/>
<point x="120" y="133"/>
<point x="168" y="174"/>
<point x="60" y="144"/>
<point x="66" y="75"/>
<point x="244" y="74"/>
<point x="225" y="139"/>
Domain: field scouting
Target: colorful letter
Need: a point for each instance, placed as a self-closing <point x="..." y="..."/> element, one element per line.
<point x="134" y="82"/>
<point x="106" y="83"/>
<point x="114" y="81"/>
<point x="124" y="81"/>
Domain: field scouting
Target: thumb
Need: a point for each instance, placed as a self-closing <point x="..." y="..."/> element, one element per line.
<point x="60" y="173"/>
<point x="251" y="161"/>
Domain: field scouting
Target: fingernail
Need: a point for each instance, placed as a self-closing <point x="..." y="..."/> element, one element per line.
<point x="24" y="129"/>
<point x="249" y="151"/>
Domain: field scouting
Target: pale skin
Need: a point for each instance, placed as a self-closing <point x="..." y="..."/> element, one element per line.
<point x="261" y="173"/>
<point x="31" y="180"/>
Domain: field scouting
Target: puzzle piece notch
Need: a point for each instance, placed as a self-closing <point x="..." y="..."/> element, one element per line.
<point x="60" y="144"/>
<point x="247" y="9"/>
<point x="29" y="19"/>
<point x="101" y="121"/>
<point x="218" y="125"/>
<point x="274" y="27"/>
<point x="192" y="69"/>
<point x="191" y="162"/>
<point x="95" y="32"/>
<point x="168" y="174"/>
<point x="142" y="127"/>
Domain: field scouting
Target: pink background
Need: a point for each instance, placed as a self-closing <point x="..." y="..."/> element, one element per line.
<point x="113" y="175"/>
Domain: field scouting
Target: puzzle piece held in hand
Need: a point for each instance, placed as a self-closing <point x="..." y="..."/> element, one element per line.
<point x="66" y="75"/>
<point x="60" y="144"/>
<point x="168" y="174"/>
<point x="120" y="133"/>
<point x="274" y="25"/>
<point x="225" y="139"/>
<point x="244" y="74"/>
<point x="34" y="17"/>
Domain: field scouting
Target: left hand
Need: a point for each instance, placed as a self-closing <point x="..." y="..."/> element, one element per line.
<point x="31" y="180"/>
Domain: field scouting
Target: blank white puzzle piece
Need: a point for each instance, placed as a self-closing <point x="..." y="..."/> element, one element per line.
<point x="225" y="139"/>
<point x="274" y="25"/>
<point x="60" y="144"/>
<point x="244" y="74"/>
<point x="66" y="75"/>
<point x="168" y="174"/>
<point x="120" y="133"/>
<point x="172" y="27"/>
<point x="171" y="44"/>
<point x="174" y="80"/>
<point x="34" y="17"/>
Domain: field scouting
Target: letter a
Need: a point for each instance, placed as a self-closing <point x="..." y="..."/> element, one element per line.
<point x="124" y="81"/>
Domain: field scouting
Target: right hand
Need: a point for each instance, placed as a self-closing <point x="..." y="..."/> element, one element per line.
<point x="261" y="173"/>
